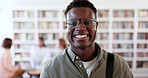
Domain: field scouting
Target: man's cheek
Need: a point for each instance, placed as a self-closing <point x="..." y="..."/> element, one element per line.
<point x="95" y="28"/>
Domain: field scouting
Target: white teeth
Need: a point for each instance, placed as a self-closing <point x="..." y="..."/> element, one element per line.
<point x="81" y="36"/>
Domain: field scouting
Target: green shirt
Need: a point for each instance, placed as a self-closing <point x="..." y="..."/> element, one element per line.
<point x="68" y="65"/>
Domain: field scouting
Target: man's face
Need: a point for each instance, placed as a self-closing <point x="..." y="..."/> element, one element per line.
<point x="81" y="26"/>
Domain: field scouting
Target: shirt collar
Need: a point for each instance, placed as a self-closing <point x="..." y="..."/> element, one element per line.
<point x="75" y="57"/>
<point x="71" y="54"/>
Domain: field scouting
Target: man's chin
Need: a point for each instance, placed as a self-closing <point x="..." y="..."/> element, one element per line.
<point x="81" y="46"/>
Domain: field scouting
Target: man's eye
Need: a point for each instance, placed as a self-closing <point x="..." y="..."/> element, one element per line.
<point x="72" y="23"/>
<point x="88" y="23"/>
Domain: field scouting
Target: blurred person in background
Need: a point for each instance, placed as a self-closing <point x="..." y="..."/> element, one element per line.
<point x="39" y="55"/>
<point x="61" y="45"/>
<point x="7" y="67"/>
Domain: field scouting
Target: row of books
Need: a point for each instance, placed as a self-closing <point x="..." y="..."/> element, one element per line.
<point x="142" y="54"/>
<point x="103" y="13"/>
<point x="142" y="46"/>
<point x="18" y="36"/>
<point x="143" y="13"/>
<point x="123" y="13"/>
<point x="142" y="64"/>
<point x="103" y="25"/>
<point x="116" y="13"/>
<point x="30" y="36"/>
<point x="143" y="25"/>
<point x="30" y="14"/>
<point x="142" y="36"/>
<point x="145" y="64"/>
<point x="23" y="14"/>
<point x="123" y="25"/>
<point x="130" y="46"/>
<point x="122" y="46"/>
<point x="24" y="36"/>
<point x="23" y="25"/>
<point x="48" y="25"/>
<point x="30" y="25"/>
<point x="102" y="36"/>
<point x="24" y="58"/>
<point x="122" y="36"/>
<point x="48" y="14"/>
<point x="139" y="46"/>
<point x="49" y="36"/>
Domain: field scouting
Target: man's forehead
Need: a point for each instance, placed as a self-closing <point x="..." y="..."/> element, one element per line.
<point x="80" y="12"/>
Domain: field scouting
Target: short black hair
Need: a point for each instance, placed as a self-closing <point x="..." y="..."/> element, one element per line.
<point x="81" y="3"/>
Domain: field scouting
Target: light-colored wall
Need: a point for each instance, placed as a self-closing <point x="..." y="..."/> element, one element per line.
<point x="5" y="20"/>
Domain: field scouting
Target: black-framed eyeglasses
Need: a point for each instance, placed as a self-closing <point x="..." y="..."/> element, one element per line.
<point x="84" y="21"/>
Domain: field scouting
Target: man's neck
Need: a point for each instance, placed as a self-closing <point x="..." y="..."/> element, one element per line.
<point x="87" y="54"/>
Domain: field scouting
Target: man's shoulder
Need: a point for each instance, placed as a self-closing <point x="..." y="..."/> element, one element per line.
<point x="116" y="56"/>
<point x="57" y="60"/>
<point x="120" y="63"/>
<point x="118" y="60"/>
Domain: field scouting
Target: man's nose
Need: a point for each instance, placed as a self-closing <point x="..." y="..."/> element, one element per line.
<point x="80" y="25"/>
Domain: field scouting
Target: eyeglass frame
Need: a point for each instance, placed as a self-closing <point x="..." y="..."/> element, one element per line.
<point x="79" y="21"/>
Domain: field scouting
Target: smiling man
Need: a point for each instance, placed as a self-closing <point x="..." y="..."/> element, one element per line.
<point x="84" y="58"/>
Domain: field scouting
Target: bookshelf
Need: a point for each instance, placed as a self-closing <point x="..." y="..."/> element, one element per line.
<point x="142" y="39"/>
<point x="29" y="25"/>
<point x="125" y="32"/>
<point x="24" y="35"/>
<point x="121" y="30"/>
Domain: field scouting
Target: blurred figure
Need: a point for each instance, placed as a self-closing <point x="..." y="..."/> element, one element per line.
<point x="7" y="68"/>
<point x="62" y="44"/>
<point x="39" y="54"/>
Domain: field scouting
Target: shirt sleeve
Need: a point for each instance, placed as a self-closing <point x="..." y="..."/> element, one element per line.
<point x="46" y="57"/>
<point x="44" y="73"/>
<point x="127" y="71"/>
